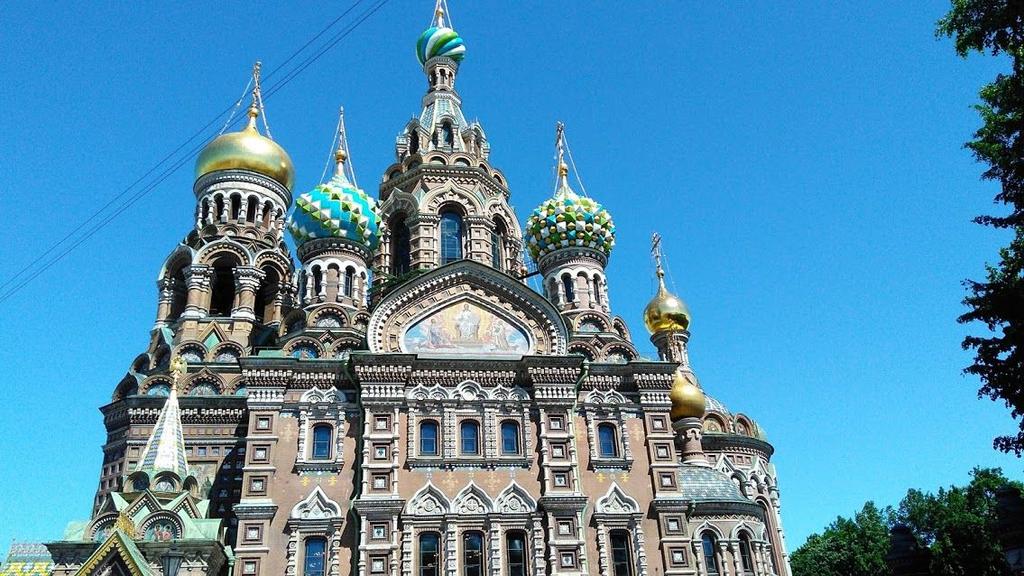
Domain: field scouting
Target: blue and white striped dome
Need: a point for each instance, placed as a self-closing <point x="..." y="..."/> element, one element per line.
<point x="440" y="41"/>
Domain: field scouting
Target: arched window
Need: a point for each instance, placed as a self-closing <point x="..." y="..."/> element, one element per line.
<point x="473" y="554"/>
<point x="321" y="442"/>
<point x="469" y="437"/>
<point x="607" y="445"/>
<point x="250" y="209"/>
<point x="318" y="281"/>
<point x="568" y="288"/>
<point x="206" y="210"/>
<point x="268" y="213"/>
<point x="428" y="438"/>
<point x="708" y="545"/>
<point x="447" y="134"/>
<point x="414" y="142"/>
<point x="745" y="557"/>
<point x="621" y="565"/>
<point x="348" y="281"/>
<point x="597" y="289"/>
<point x="263" y="306"/>
<point x="428" y="557"/>
<point x="218" y="204"/>
<point x="497" y="244"/>
<point x="179" y="294"/>
<point x="400" y="246"/>
<point x="222" y="296"/>
<point x="236" y="207"/>
<point x="509" y="438"/>
<point x="313" y="563"/>
<point x="515" y="553"/>
<point x="451" y="237"/>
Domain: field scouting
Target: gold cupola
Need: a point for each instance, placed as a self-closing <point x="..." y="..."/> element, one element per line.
<point x="666" y="312"/>
<point x="687" y="397"/>
<point x="247" y="149"/>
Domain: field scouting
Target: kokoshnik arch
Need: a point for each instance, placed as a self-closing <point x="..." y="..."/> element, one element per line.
<point x="401" y="402"/>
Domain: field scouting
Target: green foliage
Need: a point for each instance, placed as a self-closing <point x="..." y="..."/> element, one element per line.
<point x="957" y="524"/>
<point x="847" y="547"/>
<point x="997" y="27"/>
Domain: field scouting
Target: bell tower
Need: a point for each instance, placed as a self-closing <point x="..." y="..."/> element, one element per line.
<point x="442" y="200"/>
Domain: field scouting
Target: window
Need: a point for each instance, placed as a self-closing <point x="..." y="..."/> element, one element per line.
<point x="556" y="423"/>
<point x="379" y="531"/>
<point x="428" y="557"/>
<point x="382" y="423"/>
<point x="263" y="423"/>
<point x="708" y="545"/>
<point x="321" y="442"/>
<point x="252" y="533"/>
<point x="567" y="287"/>
<point x="498" y="235"/>
<point x="662" y="452"/>
<point x="347" y="280"/>
<point x="509" y="438"/>
<point x="515" y="554"/>
<point x="314" y="559"/>
<point x="469" y="436"/>
<point x="451" y="237"/>
<point x="565" y="527"/>
<point x="621" y="565"/>
<point x="473" y="554"/>
<point x="673" y="524"/>
<point x="380" y="482"/>
<point x="607" y="446"/>
<point x="567" y="559"/>
<point x="558" y="451"/>
<point x="561" y="479"/>
<point x="597" y="289"/>
<point x="257" y="485"/>
<point x="380" y="452"/>
<point x="400" y="246"/>
<point x="428" y="438"/>
<point x="745" y="558"/>
<point x="377" y="564"/>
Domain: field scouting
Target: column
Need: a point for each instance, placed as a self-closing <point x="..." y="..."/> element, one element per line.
<point x="198" y="280"/>
<point x="166" y="298"/>
<point x="247" y="282"/>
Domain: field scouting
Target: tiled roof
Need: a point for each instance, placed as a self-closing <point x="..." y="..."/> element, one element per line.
<point x="702" y="484"/>
<point x="27" y="559"/>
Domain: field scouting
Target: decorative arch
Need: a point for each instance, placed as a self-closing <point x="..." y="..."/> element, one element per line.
<point x="615" y="501"/>
<point x="472" y="500"/>
<point x="224" y="247"/>
<point x="706" y="526"/>
<point x="428" y="501"/>
<point x="514" y="500"/>
<point x="162" y="526"/>
<point x="466" y="282"/>
<point x="316" y="506"/>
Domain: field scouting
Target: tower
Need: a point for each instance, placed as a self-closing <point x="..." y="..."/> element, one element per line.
<point x="667" y="318"/>
<point x="442" y="200"/>
<point x="336" y="228"/>
<point x="570" y="237"/>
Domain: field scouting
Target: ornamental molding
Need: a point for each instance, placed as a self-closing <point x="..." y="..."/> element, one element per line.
<point x="243" y="180"/>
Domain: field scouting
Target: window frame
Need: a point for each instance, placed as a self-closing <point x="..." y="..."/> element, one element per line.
<point x="451" y="241"/>
<point x="481" y="561"/>
<point x="608" y="428"/>
<point x="513" y="426"/>
<point x="465" y="425"/>
<point x="436" y="427"/>
<point x="519" y="568"/>
<point x="314" y="441"/>
<point x="306" y="552"/>
<point x="421" y="568"/>
<point x="708" y="543"/>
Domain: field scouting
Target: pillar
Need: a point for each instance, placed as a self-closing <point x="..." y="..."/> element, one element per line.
<point x="198" y="280"/>
<point x="247" y="282"/>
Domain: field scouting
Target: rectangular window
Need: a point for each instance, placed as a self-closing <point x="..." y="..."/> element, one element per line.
<point x="556" y="423"/>
<point x="201" y="451"/>
<point x="469" y="434"/>
<point x="378" y="564"/>
<point x="379" y="531"/>
<point x="673" y="525"/>
<point x="380" y="481"/>
<point x="622" y="564"/>
<point x="321" y="442"/>
<point x="567" y="559"/>
<point x="565" y="527"/>
<point x="667" y="480"/>
<point x="561" y="479"/>
<point x="380" y="452"/>
<point x="263" y="423"/>
<point x="382" y="423"/>
<point x="250" y="567"/>
<point x="259" y="454"/>
<point x="677" y="556"/>
<point x="658" y="422"/>
<point x="515" y="554"/>
<point x="316" y="549"/>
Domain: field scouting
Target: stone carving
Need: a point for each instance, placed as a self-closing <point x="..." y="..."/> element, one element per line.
<point x="615" y="501"/>
<point x="316" y="506"/>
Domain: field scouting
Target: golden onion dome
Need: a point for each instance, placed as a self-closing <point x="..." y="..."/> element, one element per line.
<point x="666" y="312"/>
<point x="247" y="149"/>
<point x="687" y="398"/>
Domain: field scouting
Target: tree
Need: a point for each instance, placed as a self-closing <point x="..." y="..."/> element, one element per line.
<point x="854" y="547"/>
<point x="997" y="27"/>
<point x="958" y="525"/>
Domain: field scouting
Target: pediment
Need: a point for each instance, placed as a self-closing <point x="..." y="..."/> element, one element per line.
<point x="466" y="309"/>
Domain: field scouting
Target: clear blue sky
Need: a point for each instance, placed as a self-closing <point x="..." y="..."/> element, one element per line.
<point x="802" y="160"/>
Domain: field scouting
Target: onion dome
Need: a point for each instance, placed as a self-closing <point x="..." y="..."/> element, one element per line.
<point x="249" y="150"/>
<point x="567" y="220"/>
<point x="440" y="40"/>
<point x="666" y="312"/>
<point x="336" y="209"/>
<point x="688" y="399"/>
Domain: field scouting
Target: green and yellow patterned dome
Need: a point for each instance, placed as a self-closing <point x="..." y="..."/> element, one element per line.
<point x="336" y="209"/>
<point x="569" y="220"/>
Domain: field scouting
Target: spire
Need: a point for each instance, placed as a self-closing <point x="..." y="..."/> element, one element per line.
<point x="438" y="21"/>
<point x="562" y="187"/>
<point x="341" y="152"/>
<point x="256" y="108"/>
<point x="165" y="449"/>
<point x="656" y="253"/>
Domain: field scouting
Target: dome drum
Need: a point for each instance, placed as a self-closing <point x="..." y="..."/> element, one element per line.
<point x="242" y="181"/>
<point x="317" y="247"/>
<point x="551" y="261"/>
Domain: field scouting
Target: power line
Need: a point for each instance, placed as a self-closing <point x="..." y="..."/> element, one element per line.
<point x="290" y="75"/>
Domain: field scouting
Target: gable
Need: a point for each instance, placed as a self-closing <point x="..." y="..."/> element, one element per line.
<point x="466" y="309"/>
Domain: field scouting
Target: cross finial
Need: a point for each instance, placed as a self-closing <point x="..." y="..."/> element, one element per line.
<point x="656" y="253"/>
<point x="439" y="14"/>
<point x="341" y="154"/>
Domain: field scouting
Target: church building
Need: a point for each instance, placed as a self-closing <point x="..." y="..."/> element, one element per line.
<point x="394" y="399"/>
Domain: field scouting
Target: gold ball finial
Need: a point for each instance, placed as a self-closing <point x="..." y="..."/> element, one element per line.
<point x="563" y="169"/>
<point x="340" y="155"/>
<point x="687" y="398"/>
